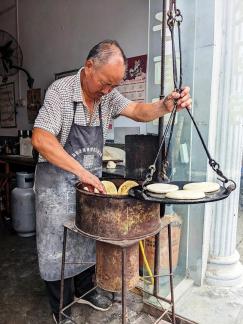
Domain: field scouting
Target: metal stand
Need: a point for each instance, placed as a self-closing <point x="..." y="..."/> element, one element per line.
<point x="160" y="314"/>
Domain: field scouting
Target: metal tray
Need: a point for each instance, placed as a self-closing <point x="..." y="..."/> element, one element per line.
<point x="139" y="193"/>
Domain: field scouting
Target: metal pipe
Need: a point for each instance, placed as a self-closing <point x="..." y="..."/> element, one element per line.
<point x="171" y="276"/>
<point x="162" y="87"/>
<point x="124" y="288"/>
<point x="166" y="300"/>
<point x="157" y="255"/>
<point x="62" y="272"/>
<point x="163" y="34"/>
<point x="156" y="263"/>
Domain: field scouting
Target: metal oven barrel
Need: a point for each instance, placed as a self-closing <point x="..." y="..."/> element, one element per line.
<point x="115" y="221"/>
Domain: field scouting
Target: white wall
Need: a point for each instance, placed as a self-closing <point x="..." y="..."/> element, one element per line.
<point x="55" y="35"/>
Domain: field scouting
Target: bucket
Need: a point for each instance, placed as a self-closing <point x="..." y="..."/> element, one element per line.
<point x="149" y="246"/>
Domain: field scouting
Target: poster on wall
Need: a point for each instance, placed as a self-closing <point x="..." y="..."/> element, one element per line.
<point x="7" y="105"/>
<point x="33" y="104"/>
<point x="134" y="84"/>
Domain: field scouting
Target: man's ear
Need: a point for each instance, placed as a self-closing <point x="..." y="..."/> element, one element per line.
<point x="89" y="64"/>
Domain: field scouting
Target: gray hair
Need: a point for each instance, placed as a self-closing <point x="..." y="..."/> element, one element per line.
<point x="103" y="51"/>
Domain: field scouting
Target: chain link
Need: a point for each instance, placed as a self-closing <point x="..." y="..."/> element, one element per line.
<point x="175" y="17"/>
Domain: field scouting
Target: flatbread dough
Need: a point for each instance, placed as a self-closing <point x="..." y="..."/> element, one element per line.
<point x="202" y="186"/>
<point x="185" y="194"/>
<point x="113" y="154"/>
<point x="161" y="188"/>
<point x="155" y="195"/>
<point x="95" y="190"/>
<point x="111" y="165"/>
<point x="109" y="187"/>
<point x="126" y="186"/>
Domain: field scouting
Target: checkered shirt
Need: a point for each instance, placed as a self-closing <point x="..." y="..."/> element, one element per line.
<point x="56" y="114"/>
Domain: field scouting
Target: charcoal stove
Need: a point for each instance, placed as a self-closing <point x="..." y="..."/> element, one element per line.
<point x="115" y="222"/>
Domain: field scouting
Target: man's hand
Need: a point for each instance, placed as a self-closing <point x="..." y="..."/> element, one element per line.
<point x="145" y="112"/>
<point x="91" y="181"/>
<point x="183" y="100"/>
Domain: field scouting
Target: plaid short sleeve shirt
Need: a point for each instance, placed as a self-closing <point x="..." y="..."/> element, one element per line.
<point x="56" y="114"/>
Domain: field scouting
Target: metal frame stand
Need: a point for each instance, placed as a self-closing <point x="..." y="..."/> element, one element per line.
<point x="169" y="314"/>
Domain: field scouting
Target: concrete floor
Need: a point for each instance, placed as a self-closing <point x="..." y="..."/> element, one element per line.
<point x="22" y="293"/>
<point x="23" y="299"/>
<point x="212" y="305"/>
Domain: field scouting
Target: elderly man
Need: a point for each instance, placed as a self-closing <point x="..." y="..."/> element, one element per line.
<point x="69" y="134"/>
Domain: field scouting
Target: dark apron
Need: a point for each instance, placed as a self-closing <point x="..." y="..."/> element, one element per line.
<point x="56" y="204"/>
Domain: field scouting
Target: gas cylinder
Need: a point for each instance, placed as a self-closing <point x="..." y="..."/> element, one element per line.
<point x="23" y="205"/>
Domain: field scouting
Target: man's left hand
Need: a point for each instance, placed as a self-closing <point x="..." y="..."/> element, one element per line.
<point x="183" y="100"/>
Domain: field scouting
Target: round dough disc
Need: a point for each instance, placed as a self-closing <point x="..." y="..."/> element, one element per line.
<point x="126" y="186"/>
<point x="185" y="194"/>
<point x="109" y="187"/>
<point x="161" y="188"/>
<point x="111" y="165"/>
<point x="202" y="186"/>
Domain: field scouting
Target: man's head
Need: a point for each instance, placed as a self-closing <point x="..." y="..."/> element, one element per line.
<point x="104" y="69"/>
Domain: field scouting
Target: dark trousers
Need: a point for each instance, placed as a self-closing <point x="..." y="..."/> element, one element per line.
<point x="75" y="286"/>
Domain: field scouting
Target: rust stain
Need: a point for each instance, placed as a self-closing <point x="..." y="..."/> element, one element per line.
<point x="117" y="217"/>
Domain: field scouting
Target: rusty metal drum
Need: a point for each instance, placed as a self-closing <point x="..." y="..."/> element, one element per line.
<point x="109" y="266"/>
<point x="115" y="217"/>
<point x="115" y="222"/>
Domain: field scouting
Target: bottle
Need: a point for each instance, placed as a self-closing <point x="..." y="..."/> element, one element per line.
<point x="7" y="148"/>
<point x="28" y="144"/>
<point x="21" y="142"/>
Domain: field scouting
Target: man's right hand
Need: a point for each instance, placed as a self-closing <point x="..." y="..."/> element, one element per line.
<point x="91" y="181"/>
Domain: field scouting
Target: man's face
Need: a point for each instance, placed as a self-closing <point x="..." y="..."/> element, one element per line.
<point x="102" y="79"/>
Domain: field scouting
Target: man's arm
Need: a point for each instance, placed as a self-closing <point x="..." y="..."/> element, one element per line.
<point x="145" y="112"/>
<point x="49" y="147"/>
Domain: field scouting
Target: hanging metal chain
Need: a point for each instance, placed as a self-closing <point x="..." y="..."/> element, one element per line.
<point x="152" y="167"/>
<point x="214" y="165"/>
<point x="175" y="18"/>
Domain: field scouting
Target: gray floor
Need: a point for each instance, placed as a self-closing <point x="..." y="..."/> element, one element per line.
<point x="23" y="299"/>
<point x="22" y="293"/>
<point x="211" y="305"/>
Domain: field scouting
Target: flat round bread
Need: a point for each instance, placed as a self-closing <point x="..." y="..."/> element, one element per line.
<point x="126" y="186"/>
<point x="202" y="186"/>
<point x="161" y="188"/>
<point x="155" y="195"/>
<point x="113" y="154"/>
<point x="109" y="187"/>
<point x="185" y="194"/>
<point x="111" y="165"/>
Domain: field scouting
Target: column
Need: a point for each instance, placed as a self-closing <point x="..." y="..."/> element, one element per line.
<point x="224" y="268"/>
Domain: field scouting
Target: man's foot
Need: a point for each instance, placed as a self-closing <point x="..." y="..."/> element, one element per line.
<point x="96" y="300"/>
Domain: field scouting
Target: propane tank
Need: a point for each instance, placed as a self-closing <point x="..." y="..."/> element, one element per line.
<point x="23" y="205"/>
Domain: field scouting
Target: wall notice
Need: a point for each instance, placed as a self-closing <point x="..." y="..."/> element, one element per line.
<point x="134" y="84"/>
<point x="7" y="105"/>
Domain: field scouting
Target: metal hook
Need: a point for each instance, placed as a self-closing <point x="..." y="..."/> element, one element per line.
<point x="149" y="175"/>
<point x="231" y="187"/>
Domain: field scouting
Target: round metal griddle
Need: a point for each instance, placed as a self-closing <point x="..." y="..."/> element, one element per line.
<point x="140" y="193"/>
